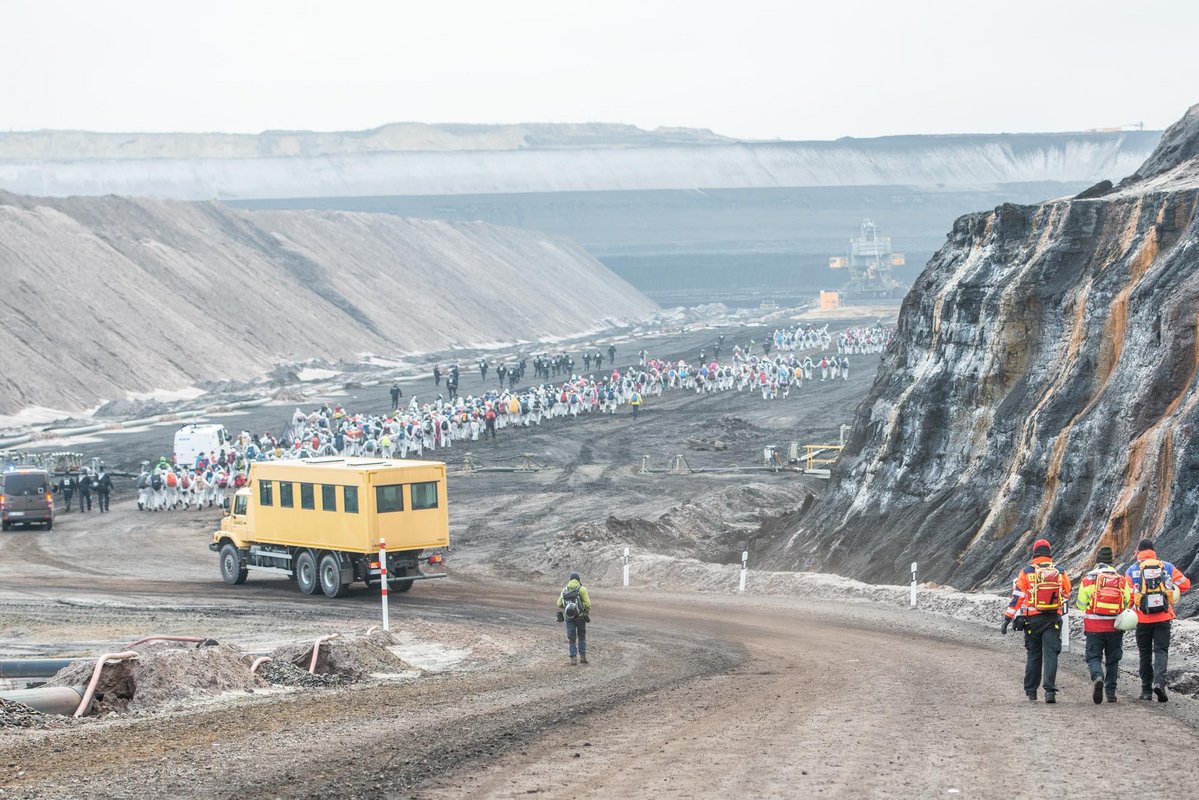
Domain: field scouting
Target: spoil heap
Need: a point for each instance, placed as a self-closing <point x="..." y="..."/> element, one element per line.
<point x="162" y="674"/>
<point x="350" y="657"/>
<point x="1043" y="382"/>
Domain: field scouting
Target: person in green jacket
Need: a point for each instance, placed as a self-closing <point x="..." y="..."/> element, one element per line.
<point x="574" y="608"/>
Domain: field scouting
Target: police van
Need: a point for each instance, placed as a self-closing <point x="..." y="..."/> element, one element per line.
<point x="192" y="441"/>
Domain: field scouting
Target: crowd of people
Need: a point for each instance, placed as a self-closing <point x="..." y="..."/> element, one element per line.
<point x="414" y="430"/>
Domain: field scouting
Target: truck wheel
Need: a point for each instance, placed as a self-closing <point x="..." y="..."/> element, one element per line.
<point x="331" y="583"/>
<point x="232" y="571"/>
<point x="305" y="569"/>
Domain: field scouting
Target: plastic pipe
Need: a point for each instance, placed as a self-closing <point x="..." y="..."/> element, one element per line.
<point x="35" y="667"/>
<point x="316" y="648"/>
<point x="107" y="658"/>
<point x="258" y="662"/>
<point x="47" y="699"/>
<point x="145" y="639"/>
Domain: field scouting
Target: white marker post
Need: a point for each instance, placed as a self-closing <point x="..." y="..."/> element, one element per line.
<point x="913" y="584"/>
<point x="626" y="568"/>
<point x="744" y="569"/>
<point x="1066" y="631"/>
<point x="383" y="580"/>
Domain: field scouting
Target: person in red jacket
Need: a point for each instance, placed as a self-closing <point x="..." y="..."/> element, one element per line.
<point x="1039" y="597"/>
<point x="1102" y="595"/>
<point x="1156" y="587"/>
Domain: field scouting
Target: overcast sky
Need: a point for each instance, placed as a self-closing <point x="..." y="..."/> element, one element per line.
<point x="749" y="68"/>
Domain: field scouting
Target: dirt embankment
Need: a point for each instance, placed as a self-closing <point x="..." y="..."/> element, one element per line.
<point x="107" y="296"/>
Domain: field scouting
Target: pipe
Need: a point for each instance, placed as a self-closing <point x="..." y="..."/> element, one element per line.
<point x="34" y="667"/>
<point x="145" y="639"/>
<point x="371" y="629"/>
<point x="316" y="648"/>
<point x="258" y="662"/>
<point x="91" y="687"/>
<point x="47" y="699"/>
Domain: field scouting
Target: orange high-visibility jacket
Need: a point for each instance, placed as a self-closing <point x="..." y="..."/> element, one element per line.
<point x="1175" y="579"/>
<point x="1019" y="605"/>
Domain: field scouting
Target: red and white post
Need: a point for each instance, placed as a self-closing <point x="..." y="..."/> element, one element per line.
<point x="383" y="580"/>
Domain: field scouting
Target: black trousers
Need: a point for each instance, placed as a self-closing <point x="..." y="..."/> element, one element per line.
<point x="1042" y="643"/>
<point x="1153" y="642"/>
<point x="103" y="497"/>
<point x="1105" y="650"/>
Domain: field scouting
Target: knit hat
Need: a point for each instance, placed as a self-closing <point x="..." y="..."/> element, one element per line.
<point x="1145" y="544"/>
<point x="1105" y="555"/>
<point x="1041" y="547"/>
<point x="574" y="576"/>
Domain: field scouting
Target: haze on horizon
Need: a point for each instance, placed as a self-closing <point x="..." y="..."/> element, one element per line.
<point x="763" y="69"/>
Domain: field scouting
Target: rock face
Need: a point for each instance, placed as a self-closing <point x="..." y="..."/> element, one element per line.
<point x="1043" y="383"/>
<point x="107" y="296"/>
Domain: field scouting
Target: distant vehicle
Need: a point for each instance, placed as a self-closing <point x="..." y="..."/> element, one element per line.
<point x="192" y="441"/>
<point x="26" y="498"/>
<point x="318" y="521"/>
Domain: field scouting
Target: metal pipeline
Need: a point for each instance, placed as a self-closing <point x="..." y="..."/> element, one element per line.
<point x="316" y="648"/>
<point x="107" y="658"/>
<point x="47" y="699"/>
<point x="258" y="662"/>
<point x="145" y="639"/>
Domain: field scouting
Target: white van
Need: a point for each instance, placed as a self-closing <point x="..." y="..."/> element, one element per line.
<point x="192" y="441"/>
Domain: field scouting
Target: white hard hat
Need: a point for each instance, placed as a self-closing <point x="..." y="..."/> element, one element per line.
<point x="1126" y="620"/>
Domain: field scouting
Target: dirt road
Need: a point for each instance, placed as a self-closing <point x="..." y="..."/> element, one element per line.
<point x="687" y="697"/>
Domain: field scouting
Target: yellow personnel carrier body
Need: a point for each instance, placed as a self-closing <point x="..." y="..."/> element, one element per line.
<point x="318" y="521"/>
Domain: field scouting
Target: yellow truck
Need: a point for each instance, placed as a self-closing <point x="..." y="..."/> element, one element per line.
<point x="318" y="521"/>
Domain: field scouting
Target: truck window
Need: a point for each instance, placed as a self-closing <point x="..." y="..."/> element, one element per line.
<point x="424" y="495"/>
<point x="265" y="493"/>
<point x="239" y="505"/>
<point x="389" y="498"/>
<point x="349" y="496"/>
<point x="328" y="497"/>
<point x="285" y="496"/>
<point x="307" y="497"/>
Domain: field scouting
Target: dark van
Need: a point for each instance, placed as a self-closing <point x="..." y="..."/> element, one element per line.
<point x="26" y="498"/>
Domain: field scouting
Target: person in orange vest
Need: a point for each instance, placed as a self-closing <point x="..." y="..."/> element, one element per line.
<point x="1102" y="595"/>
<point x="1156" y="587"/>
<point x="1039" y="597"/>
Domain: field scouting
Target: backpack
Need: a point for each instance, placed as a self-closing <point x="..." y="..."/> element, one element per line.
<point x="1108" y="599"/>
<point x="143" y="481"/>
<point x="239" y="481"/>
<point x="156" y="481"/>
<point x="1154" y="597"/>
<point x="172" y="480"/>
<point x="572" y="605"/>
<point x="1046" y="589"/>
<point x="187" y="484"/>
<point x="223" y="480"/>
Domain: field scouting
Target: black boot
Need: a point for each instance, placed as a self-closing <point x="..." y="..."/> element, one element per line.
<point x="1160" y="691"/>
<point x="1097" y="691"/>
<point x="1050" y="697"/>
